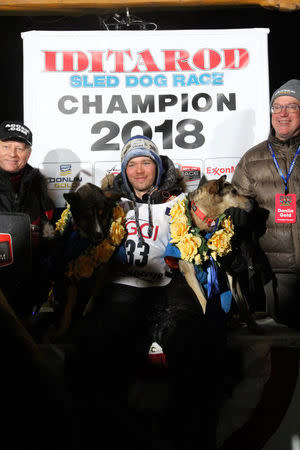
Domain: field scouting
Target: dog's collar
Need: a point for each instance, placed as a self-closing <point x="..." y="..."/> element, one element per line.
<point x="209" y="221"/>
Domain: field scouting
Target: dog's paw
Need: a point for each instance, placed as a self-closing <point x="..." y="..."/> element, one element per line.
<point x="108" y="181"/>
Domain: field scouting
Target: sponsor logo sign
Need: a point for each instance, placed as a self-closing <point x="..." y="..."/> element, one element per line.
<point x="199" y="94"/>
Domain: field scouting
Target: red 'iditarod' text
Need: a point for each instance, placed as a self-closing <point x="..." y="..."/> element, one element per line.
<point x="119" y="61"/>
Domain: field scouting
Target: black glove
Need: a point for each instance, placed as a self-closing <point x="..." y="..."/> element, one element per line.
<point x="240" y="218"/>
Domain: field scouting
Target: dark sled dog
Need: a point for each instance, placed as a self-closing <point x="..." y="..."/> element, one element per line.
<point x="91" y="208"/>
<point x="208" y="202"/>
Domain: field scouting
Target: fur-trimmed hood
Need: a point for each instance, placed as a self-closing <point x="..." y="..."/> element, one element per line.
<point x="172" y="183"/>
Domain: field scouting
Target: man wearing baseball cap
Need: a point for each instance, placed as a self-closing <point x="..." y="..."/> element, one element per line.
<point x="22" y="190"/>
<point x="270" y="173"/>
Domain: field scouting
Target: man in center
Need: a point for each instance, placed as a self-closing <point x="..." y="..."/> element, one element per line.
<point x="147" y="303"/>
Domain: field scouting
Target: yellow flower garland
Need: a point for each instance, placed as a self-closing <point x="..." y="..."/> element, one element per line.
<point x="193" y="246"/>
<point x="85" y="264"/>
<point x="62" y="222"/>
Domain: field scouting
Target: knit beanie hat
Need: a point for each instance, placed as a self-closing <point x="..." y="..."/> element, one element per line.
<point x="290" y="88"/>
<point x="140" y="146"/>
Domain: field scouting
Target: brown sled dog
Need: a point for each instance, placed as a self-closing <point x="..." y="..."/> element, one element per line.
<point x="208" y="202"/>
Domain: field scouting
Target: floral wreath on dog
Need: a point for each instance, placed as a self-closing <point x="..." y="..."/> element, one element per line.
<point x="84" y="265"/>
<point x="193" y="246"/>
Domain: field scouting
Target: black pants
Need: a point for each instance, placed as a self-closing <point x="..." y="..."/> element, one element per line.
<point x="116" y="341"/>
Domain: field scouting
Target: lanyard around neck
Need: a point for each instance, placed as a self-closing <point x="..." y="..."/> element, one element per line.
<point x="285" y="179"/>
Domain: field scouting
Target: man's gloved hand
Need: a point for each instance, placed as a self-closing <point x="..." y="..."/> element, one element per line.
<point x="240" y="218"/>
<point x="238" y="259"/>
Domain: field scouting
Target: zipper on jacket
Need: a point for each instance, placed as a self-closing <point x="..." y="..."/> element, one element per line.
<point x="16" y="201"/>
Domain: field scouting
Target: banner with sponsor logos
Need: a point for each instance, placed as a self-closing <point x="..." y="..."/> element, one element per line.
<point x="201" y="95"/>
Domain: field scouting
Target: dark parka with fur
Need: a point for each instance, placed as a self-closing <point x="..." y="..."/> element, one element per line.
<point x="32" y="197"/>
<point x="25" y="284"/>
<point x="256" y="176"/>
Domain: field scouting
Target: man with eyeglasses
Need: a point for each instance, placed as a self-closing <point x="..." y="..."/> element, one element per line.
<point x="270" y="174"/>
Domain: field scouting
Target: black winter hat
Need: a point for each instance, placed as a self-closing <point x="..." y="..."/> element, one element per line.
<point x="11" y="130"/>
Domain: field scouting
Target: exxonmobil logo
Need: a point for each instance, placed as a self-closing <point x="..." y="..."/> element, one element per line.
<point x="218" y="171"/>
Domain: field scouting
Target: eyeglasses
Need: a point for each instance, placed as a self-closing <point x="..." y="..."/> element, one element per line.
<point x="293" y="107"/>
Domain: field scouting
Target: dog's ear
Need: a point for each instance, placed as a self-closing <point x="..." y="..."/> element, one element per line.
<point x="71" y="197"/>
<point x="108" y="181"/>
<point x="202" y="181"/>
<point x="216" y="185"/>
<point x="222" y="179"/>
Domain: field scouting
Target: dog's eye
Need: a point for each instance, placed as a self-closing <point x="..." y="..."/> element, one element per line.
<point x="234" y="191"/>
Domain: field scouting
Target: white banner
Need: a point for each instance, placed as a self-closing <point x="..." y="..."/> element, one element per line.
<point x="201" y="95"/>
